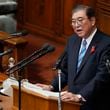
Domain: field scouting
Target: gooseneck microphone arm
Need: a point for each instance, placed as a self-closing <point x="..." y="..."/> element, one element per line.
<point x="6" y="52"/>
<point x="30" y="59"/>
<point x="45" y="46"/>
<point x="15" y="35"/>
<point x="20" y="33"/>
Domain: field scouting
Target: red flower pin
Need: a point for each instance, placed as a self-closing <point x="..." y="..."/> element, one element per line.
<point x="92" y="49"/>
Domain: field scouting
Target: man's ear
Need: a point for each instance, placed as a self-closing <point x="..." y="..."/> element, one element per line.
<point x="93" y="20"/>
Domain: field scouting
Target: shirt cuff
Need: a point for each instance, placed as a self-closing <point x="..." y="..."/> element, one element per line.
<point x="82" y="99"/>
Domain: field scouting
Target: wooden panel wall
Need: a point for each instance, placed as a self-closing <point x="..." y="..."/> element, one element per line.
<point x="52" y="18"/>
<point x="103" y="15"/>
<point x="43" y="17"/>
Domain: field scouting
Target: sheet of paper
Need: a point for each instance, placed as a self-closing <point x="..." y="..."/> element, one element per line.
<point x="39" y="90"/>
<point x="7" y="89"/>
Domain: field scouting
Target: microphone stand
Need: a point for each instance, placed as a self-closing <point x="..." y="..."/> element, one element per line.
<point x="19" y="86"/>
<point x="59" y="82"/>
<point x="58" y="68"/>
<point x="59" y="86"/>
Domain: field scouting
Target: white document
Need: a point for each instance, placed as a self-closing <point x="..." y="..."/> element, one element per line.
<point x="39" y="90"/>
<point x="7" y="89"/>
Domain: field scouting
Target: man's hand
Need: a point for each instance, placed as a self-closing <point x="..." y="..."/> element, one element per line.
<point x="45" y="87"/>
<point x="68" y="96"/>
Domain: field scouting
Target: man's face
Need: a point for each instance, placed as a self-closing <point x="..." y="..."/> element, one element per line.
<point x="81" y="24"/>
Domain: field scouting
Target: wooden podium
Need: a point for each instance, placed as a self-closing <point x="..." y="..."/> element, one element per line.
<point x="31" y="100"/>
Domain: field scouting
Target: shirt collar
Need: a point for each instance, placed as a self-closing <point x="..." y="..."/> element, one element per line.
<point x="89" y="39"/>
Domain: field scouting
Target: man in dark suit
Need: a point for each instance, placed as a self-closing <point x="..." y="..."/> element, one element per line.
<point x="89" y="81"/>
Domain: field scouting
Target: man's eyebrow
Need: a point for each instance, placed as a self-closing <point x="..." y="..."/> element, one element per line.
<point x="76" y="18"/>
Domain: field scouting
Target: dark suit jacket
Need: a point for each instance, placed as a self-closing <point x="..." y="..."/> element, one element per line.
<point x="92" y="79"/>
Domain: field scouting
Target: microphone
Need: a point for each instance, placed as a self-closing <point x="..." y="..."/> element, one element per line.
<point x="6" y="52"/>
<point x="46" y="48"/>
<point x="108" y="65"/>
<point x="14" y="35"/>
<point x="50" y="49"/>
<point x="21" y="33"/>
<point x="59" y="61"/>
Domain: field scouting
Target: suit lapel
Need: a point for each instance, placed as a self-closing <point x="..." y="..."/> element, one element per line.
<point x="89" y="52"/>
<point x="74" y="54"/>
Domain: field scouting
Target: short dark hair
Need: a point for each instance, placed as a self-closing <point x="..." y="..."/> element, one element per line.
<point x="90" y="12"/>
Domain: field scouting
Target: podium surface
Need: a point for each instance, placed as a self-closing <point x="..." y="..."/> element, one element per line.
<point x="31" y="100"/>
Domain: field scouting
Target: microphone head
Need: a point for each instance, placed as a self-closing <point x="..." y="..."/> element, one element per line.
<point x="24" y="32"/>
<point x="45" y="46"/>
<point x="50" y="48"/>
<point x="10" y="50"/>
<point x="59" y="62"/>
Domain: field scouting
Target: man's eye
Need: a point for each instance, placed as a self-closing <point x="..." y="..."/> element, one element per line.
<point x="80" y="20"/>
<point x="73" y="21"/>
